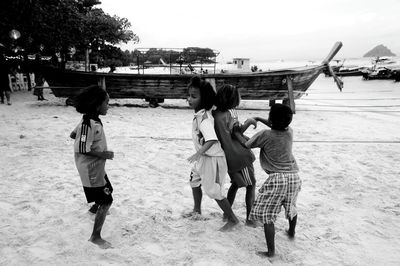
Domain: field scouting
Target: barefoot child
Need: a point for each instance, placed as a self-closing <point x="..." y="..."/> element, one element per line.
<point x="283" y="183"/>
<point x="239" y="158"/>
<point x="91" y="154"/>
<point x="210" y="167"/>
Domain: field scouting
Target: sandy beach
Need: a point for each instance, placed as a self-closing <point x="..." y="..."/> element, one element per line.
<point x="346" y="145"/>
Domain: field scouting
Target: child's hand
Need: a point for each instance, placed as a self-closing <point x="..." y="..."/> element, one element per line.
<point x="251" y="121"/>
<point x="109" y="155"/>
<point x="194" y="158"/>
<point x="268" y="123"/>
<point x="72" y="135"/>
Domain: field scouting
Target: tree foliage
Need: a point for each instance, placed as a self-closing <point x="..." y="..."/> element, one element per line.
<point x="189" y="55"/>
<point x="59" y="25"/>
<point x="67" y="28"/>
<point x="197" y="54"/>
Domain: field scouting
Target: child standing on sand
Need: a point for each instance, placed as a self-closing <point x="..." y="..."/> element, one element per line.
<point x="239" y="158"/>
<point x="283" y="183"/>
<point x="210" y="167"/>
<point x="91" y="154"/>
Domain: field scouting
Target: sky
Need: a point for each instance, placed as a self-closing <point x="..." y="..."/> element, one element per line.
<point x="263" y="29"/>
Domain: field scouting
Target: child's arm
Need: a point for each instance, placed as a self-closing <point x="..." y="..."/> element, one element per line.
<point x="257" y="140"/>
<point x="247" y="123"/>
<point x="239" y="136"/>
<point x="263" y="120"/>
<point x="237" y="131"/>
<point x="201" y="151"/>
<point x="106" y="155"/>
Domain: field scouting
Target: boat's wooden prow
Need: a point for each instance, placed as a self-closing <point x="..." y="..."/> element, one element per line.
<point x="335" y="49"/>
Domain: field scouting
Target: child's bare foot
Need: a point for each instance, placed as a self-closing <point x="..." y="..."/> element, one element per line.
<point x="290" y="234"/>
<point x="191" y="214"/>
<point x="94" y="208"/>
<point x="265" y="254"/>
<point x="100" y="242"/>
<point x="251" y="223"/>
<point x="228" y="226"/>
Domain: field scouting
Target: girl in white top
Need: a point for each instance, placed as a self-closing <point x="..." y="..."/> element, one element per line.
<point x="210" y="168"/>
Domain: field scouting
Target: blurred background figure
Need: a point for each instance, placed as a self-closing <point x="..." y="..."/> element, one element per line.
<point x="5" y="89"/>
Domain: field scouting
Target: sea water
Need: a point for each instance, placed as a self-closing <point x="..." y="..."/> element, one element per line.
<point x="393" y="63"/>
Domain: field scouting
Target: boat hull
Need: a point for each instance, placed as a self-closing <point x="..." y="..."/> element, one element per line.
<point x="255" y="86"/>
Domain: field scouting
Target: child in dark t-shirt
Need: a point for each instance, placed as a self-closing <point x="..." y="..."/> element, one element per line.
<point x="283" y="183"/>
<point x="91" y="153"/>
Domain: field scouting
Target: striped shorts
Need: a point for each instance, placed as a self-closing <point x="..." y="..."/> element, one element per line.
<point x="244" y="177"/>
<point x="280" y="189"/>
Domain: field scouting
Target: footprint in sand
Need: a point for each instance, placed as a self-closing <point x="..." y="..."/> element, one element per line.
<point x="154" y="249"/>
<point x="41" y="253"/>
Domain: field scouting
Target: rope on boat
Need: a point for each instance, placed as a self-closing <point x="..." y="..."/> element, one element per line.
<point x="365" y="99"/>
<point x="347" y="92"/>
<point x="347" y="111"/>
<point x="265" y="109"/>
<point x="353" y="106"/>
<point x="298" y="141"/>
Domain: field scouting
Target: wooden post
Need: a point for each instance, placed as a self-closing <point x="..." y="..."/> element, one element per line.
<point x="215" y="62"/>
<point x="87" y="63"/>
<point x="102" y="83"/>
<point x="290" y="93"/>
<point x="212" y="82"/>
<point x="170" y="64"/>
<point x="137" y="64"/>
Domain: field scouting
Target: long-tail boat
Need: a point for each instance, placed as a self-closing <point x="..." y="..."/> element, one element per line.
<point x="286" y="84"/>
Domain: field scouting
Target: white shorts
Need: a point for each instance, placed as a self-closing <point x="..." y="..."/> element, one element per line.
<point x="210" y="173"/>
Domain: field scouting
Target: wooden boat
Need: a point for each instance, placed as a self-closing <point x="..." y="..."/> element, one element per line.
<point x="378" y="73"/>
<point x="350" y="71"/>
<point x="396" y="75"/>
<point x="344" y="71"/>
<point x="287" y="84"/>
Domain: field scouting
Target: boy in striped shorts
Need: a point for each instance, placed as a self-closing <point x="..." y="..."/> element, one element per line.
<point x="283" y="183"/>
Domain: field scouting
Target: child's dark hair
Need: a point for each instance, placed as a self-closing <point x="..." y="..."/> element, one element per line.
<point x="207" y="92"/>
<point x="280" y="116"/>
<point x="228" y="97"/>
<point x="89" y="99"/>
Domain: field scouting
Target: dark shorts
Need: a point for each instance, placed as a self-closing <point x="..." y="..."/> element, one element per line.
<point x="244" y="177"/>
<point x="5" y="87"/>
<point x="99" y="195"/>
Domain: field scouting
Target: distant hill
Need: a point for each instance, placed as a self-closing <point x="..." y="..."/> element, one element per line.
<point x="379" y="50"/>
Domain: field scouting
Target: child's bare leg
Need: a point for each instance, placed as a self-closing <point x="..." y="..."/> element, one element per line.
<point x="250" y="195"/>
<point x="232" y="219"/>
<point x="8" y="97"/>
<point x="95" y="238"/>
<point x="292" y="227"/>
<point x="231" y="197"/>
<point x="232" y="193"/>
<point x="269" y="231"/>
<point x="197" y="197"/>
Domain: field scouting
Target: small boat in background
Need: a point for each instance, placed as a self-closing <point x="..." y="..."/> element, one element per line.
<point x="382" y="68"/>
<point x="350" y="71"/>
<point x="396" y="75"/>
<point x="344" y="71"/>
<point x="378" y="73"/>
